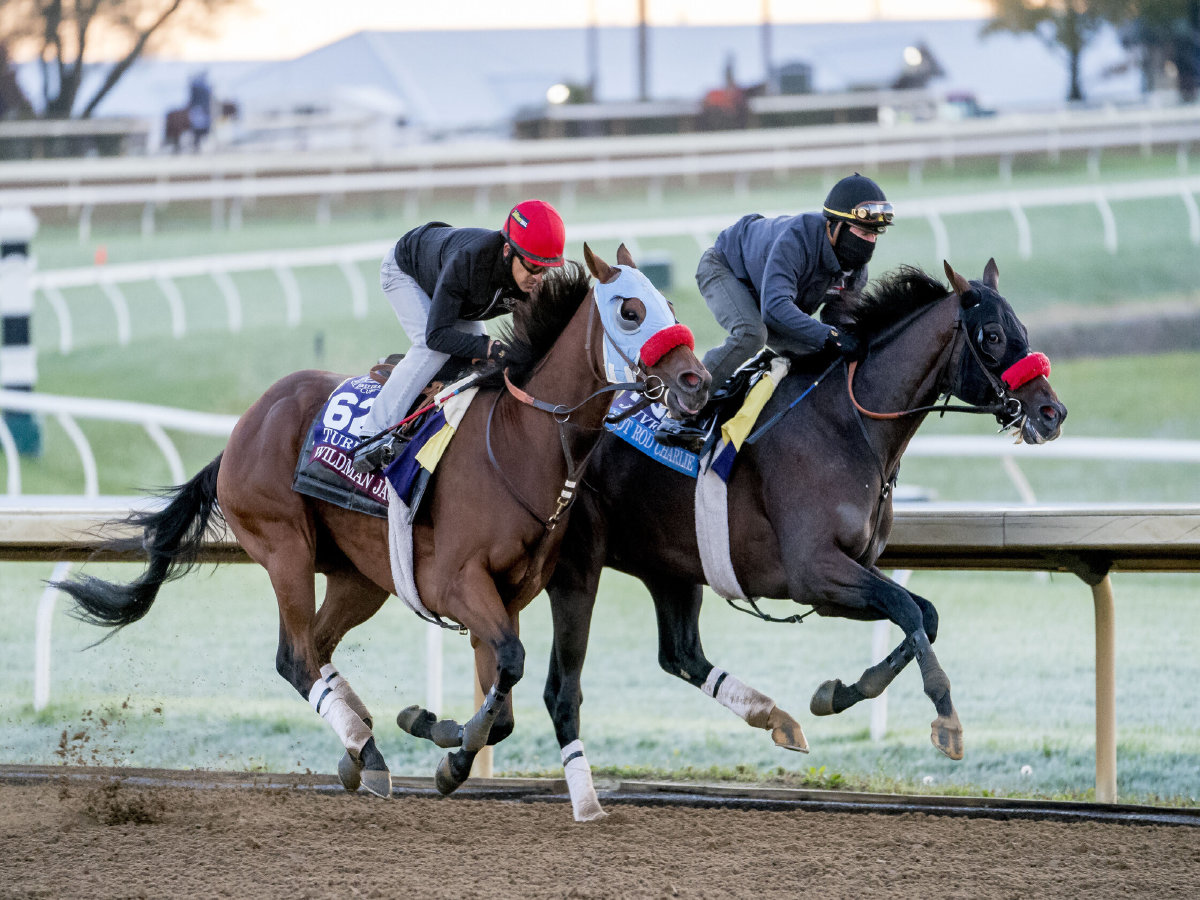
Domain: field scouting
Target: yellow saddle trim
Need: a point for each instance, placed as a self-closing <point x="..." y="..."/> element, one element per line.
<point x="454" y="409"/>
<point x="737" y="429"/>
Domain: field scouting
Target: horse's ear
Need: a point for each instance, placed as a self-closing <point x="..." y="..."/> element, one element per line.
<point x="624" y="258"/>
<point x="601" y="270"/>
<point x="991" y="275"/>
<point x="961" y="285"/>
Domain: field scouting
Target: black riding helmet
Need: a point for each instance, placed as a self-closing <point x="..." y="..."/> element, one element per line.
<point x="860" y="201"/>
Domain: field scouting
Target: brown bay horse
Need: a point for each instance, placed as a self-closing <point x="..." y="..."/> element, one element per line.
<point x="484" y="539"/>
<point x="809" y="505"/>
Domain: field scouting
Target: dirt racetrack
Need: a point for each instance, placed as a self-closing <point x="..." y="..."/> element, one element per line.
<point x="101" y="838"/>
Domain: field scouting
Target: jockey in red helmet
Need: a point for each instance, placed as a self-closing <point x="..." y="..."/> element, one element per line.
<point x="535" y="231"/>
<point x="443" y="282"/>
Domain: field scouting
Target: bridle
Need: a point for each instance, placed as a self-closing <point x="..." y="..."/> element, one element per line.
<point x="650" y="386"/>
<point x="1005" y="407"/>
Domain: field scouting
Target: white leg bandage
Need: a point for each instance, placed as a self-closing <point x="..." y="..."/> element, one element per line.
<point x="754" y="707"/>
<point x="584" y="802"/>
<point x="341" y="688"/>
<point x="348" y="725"/>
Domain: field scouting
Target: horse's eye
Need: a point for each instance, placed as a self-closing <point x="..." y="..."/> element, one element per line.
<point x="992" y="341"/>
<point x="631" y="314"/>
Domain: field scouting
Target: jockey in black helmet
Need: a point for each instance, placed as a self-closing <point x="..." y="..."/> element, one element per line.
<point x="763" y="279"/>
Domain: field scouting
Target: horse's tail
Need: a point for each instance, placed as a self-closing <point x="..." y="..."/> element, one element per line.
<point x="171" y="538"/>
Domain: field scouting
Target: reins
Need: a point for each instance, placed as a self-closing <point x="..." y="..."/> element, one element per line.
<point x="562" y="417"/>
<point x="1001" y="405"/>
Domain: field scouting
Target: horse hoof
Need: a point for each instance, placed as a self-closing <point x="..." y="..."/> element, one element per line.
<point x="786" y="731"/>
<point x="350" y="771"/>
<point x="821" y="703"/>
<point x="378" y="782"/>
<point x="445" y="780"/>
<point x="947" y="735"/>
<point x="593" y="812"/>
<point x="415" y="721"/>
<point x="446" y="733"/>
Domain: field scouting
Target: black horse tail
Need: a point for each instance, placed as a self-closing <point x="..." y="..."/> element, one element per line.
<point x="171" y="539"/>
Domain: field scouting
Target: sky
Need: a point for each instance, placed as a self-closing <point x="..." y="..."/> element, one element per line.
<point x="284" y="29"/>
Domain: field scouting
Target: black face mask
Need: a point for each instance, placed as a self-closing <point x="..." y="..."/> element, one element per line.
<point x="852" y="251"/>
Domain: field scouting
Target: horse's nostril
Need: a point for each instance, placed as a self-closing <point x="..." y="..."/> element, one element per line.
<point x="1049" y="413"/>
<point x="691" y="380"/>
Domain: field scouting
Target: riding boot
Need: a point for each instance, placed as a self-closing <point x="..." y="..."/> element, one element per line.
<point x="688" y="433"/>
<point x="376" y="454"/>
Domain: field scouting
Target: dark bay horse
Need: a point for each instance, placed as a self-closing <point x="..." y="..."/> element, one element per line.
<point x="485" y="538"/>
<point x="809" y="505"/>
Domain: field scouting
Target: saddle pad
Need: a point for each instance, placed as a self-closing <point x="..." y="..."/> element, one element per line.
<point x="409" y="473"/>
<point x="712" y="501"/>
<point x="638" y="430"/>
<point x="324" y="468"/>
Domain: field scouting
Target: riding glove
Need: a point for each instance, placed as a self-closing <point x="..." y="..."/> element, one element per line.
<point x="844" y="343"/>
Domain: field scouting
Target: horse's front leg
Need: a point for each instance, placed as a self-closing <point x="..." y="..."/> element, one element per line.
<point x="677" y="607"/>
<point x="863" y="593"/>
<point x="500" y="663"/>
<point x="834" y="697"/>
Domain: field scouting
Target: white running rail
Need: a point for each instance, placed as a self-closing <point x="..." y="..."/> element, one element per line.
<point x="157" y="420"/>
<point x="154" y="419"/>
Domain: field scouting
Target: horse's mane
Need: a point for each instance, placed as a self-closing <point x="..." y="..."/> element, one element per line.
<point x="533" y="331"/>
<point x="892" y="297"/>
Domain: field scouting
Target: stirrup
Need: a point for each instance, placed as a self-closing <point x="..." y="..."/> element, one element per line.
<point x="679" y="433"/>
<point x="376" y="455"/>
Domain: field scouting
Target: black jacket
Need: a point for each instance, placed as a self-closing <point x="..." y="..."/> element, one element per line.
<point x="465" y="274"/>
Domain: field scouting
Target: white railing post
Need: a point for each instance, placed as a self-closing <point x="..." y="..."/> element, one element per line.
<point x="41" y="638"/>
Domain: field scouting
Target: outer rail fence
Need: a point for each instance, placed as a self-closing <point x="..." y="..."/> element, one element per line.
<point x="230" y="182"/>
<point x="1085" y="540"/>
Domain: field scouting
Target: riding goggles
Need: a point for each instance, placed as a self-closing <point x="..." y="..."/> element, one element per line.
<point x="871" y="215"/>
<point x="531" y="268"/>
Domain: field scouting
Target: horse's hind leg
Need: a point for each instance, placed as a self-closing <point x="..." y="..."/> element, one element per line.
<point x="299" y="662"/>
<point x="350" y="599"/>
<point x="572" y="590"/>
<point x="677" y="607"/>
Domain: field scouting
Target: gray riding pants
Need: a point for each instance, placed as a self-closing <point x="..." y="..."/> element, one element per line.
<point x="736" y="310"/>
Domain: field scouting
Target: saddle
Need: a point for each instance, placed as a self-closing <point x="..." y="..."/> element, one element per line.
<point x="724" y="403"/>
<point x="453" y="370"/>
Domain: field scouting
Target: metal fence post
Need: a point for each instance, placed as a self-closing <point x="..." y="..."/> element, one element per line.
<point x="18" y="358"/>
